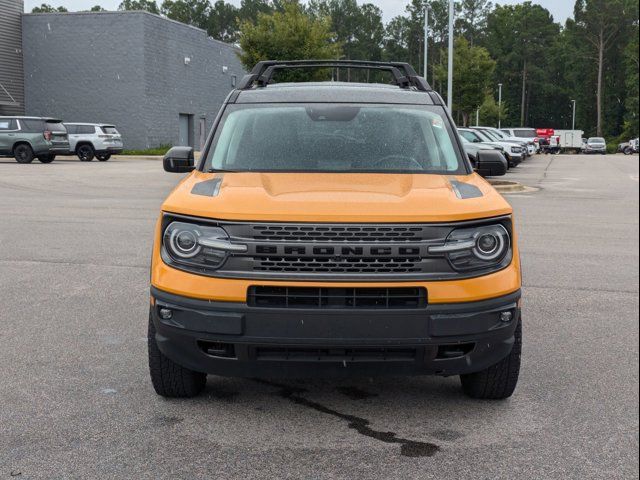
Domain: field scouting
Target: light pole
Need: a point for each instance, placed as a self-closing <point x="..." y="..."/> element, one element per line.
<point x="499" y="105"/>
<point x="426" y="40"/>
<point x="573" y="121"/>
<point x="450" y="76"/>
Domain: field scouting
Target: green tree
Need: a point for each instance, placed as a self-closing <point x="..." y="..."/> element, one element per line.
<point x="97" y="8"/>
<point x="222" y="23"/>
<point x="146" y="5"/>
<point x="472" y="21"/>
<point x="46" y="8"/>
<point x="250" y="9"/>
<point x="472" y="77"/>
<point x="519" y="37"/>
<point x="359" y="29"/>
<point x="598" y="24"/>
<point x="632" y="81"/>
<point x="191" y="12"/>
<point x="491" y="112"/>
<point x="291" y="34"/>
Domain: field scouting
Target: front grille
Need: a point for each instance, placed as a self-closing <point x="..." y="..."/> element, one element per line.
<point x="341" y="265"/>
<point x="338" y="233"/>
<point x="337" y="298"/>
<point x="338" y="355"/>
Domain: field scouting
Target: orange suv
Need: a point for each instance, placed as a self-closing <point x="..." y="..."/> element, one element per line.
<point x="334" y="229"/>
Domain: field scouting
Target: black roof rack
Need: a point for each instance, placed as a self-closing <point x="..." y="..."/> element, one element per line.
<point x="404" y="75"/>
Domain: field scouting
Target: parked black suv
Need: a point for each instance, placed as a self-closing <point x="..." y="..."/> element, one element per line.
<point x="26" y="138"/>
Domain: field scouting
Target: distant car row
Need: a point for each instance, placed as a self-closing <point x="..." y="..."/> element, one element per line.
<point x="28" y="138"/>
<point x="513" y="148"/>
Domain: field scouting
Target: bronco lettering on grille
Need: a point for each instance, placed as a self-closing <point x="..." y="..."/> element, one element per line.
<point x="347" y="251"/>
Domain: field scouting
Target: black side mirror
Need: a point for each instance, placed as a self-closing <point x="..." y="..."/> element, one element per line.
<point x="491" y="163"/>
<point x="179" y="160"/>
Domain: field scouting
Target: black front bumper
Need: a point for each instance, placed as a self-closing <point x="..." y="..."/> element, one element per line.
<point x="233" y="339"/>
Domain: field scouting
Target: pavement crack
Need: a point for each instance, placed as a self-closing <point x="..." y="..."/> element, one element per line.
<point x="408" y="448"/>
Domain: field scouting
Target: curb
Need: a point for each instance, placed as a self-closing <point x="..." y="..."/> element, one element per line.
<point x="503" y="186"/>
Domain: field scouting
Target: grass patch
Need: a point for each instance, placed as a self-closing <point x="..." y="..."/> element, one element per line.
<point x="161" y="150"/>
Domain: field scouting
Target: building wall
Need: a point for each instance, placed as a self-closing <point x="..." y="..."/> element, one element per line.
<point x="125" y="68"/>
<point x="174" y="86"/>
<point x="11" y="74"/>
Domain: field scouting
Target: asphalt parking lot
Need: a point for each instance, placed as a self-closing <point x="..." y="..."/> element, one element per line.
<point x="76" y="400"/>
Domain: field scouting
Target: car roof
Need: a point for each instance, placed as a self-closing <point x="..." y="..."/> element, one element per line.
<point x="22" y="117"/>
<point x="92" y="124"/>
<point x="334" y="92"/>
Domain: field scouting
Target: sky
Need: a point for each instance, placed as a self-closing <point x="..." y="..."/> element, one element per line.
<point x="560" y="9"/>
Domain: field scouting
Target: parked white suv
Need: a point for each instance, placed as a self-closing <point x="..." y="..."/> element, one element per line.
<point x="524" y="133"/>
<point x="514" y="154"/>
<point x="89" y="140"/>
<point x="500" y="135"/>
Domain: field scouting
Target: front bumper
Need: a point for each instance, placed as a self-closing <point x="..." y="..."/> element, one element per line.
<point x="233" y="339"/>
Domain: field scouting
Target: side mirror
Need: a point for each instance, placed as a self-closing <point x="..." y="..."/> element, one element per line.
<point x="491" y="163"/>
<point x="179" y="160"/>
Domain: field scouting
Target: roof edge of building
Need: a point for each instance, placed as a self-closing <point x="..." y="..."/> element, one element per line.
<point x="144" y="12"/>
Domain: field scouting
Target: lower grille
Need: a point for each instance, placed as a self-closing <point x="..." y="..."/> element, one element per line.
<point x="337" y="298"/>
<point x="352" y="355"/>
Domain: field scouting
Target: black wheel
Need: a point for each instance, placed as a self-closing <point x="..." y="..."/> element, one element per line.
<point x="168" y="378"/>
<point x="628" y="151"/>
<point x="23" y="153"/>
<point x="103" y="157"/>
<point x="85" y="152"/>
<point x="47" y="158"/>
<point x="498" y="381"/>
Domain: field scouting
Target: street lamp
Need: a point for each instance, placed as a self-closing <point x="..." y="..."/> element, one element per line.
<point x="426" y="40"/>
<point x="499" y="105"/>
<point x="573" y="121"/>
<point x="450" y="76"/>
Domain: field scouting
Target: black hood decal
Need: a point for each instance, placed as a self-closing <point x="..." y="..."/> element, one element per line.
<point x="208" y="188"/>
<point x="465" y="191"/>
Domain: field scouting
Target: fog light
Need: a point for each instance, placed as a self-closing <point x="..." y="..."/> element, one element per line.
<point x="165" y="314"/>
<point x="506" y="317"/>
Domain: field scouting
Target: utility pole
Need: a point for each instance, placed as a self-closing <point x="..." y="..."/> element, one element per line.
<point x="573" y="121"/>
<point x="499" y="105"/>
<point x="478" y="117"/>
<point x="426" y="40"/>
<point x="450" y="76"/>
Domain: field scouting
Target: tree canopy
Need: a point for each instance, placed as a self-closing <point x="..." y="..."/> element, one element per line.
<point x="542" y="65"/>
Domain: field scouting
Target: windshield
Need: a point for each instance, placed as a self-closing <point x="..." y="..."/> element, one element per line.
<point x="490" y="135"/>
<point x="334" y="138"/>
<point x="596" y="140"/>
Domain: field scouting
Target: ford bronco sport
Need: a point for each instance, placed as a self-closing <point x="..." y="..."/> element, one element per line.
<point x="334" y="229"/>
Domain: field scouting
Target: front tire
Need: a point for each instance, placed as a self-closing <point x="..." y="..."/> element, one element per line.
<point x="103" y="157"/>
<point x="47" y="158"/>
<point x="23" y="153"/>
<point x="168" y="378"/>
<point x="498" y="381"/>
<point x="85" y="153"/>
<point x="628" y="151"/>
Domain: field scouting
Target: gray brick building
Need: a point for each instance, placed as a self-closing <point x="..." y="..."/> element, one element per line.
<point x="11" y="76"/>
<point x="161" y="82"/>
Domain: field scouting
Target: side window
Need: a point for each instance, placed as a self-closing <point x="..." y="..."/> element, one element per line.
<point x="32" y="126"/>
<point x="470" y="136"/>
<point x="7" y="124"/>
<point x="71" y="129"/>
<point x="86" y="129"/>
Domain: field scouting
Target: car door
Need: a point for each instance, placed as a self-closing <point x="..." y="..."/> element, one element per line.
<point x="8" y="130"/>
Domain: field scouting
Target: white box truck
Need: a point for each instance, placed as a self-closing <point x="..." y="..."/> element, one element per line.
<point x="570" y="139"/>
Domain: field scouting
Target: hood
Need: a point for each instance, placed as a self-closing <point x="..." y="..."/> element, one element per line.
<point x="335" y="197"/>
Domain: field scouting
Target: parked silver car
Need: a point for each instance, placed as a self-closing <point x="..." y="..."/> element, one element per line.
<point x="89" y="140"/>
<point x="595" y="145"/>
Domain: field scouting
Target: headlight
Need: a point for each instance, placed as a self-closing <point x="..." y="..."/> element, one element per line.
<point x="476" y="248"/>
<point x="516" y="149"/>
<point x="197" y="246"/>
